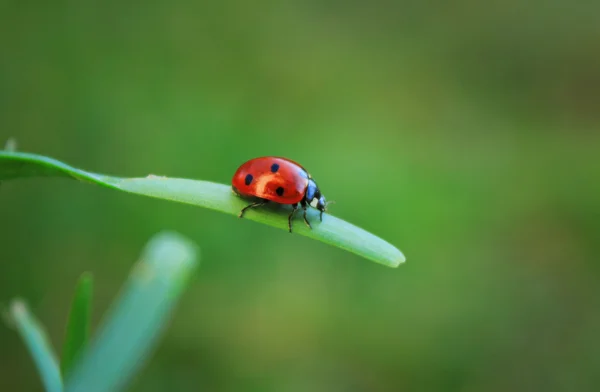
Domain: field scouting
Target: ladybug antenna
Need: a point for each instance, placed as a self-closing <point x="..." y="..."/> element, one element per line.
<point x="328" y="202"/>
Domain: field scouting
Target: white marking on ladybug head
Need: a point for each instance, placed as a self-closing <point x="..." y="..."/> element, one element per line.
<point x="314" y="202"/>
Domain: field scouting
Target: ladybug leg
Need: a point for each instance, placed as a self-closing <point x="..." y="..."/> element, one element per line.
<point x="253" y="205"/>
<point x="305" y="219"/>
<point x="291" y="216"/>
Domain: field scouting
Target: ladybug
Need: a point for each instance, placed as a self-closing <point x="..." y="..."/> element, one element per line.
<point x="278" y="180"/>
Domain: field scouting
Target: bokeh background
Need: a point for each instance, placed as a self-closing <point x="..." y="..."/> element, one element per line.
<point x="466" y="133"/>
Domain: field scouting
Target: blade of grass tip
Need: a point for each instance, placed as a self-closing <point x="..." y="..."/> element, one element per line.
<point x="34" y="335"/>
<point x="78" y="325"/>
<point x="132" y="326"/>
<point x="215" y="196"/>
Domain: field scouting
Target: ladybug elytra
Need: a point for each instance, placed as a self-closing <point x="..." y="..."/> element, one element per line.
<point x="278" y="180"/>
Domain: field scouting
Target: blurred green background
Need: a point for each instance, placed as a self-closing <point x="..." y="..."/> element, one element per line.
<point x="465" y="133"/>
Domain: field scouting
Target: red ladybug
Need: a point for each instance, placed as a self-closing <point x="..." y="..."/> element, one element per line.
<point x="279" y="180"/>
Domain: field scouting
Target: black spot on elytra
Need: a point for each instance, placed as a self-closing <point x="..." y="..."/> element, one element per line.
<point x="248" y="179"/>
<point x="274" y="167"/>
<point x="279" y="191"/>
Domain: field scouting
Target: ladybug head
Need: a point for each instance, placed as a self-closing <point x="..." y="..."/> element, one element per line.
<point x="314" y="197"/>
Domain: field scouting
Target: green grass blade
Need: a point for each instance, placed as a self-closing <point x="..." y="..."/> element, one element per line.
<point x="78" y="325"/>
<point x="40" y="348"/>
<point x="219" y="197"/>
<point x="131" y="328"/>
